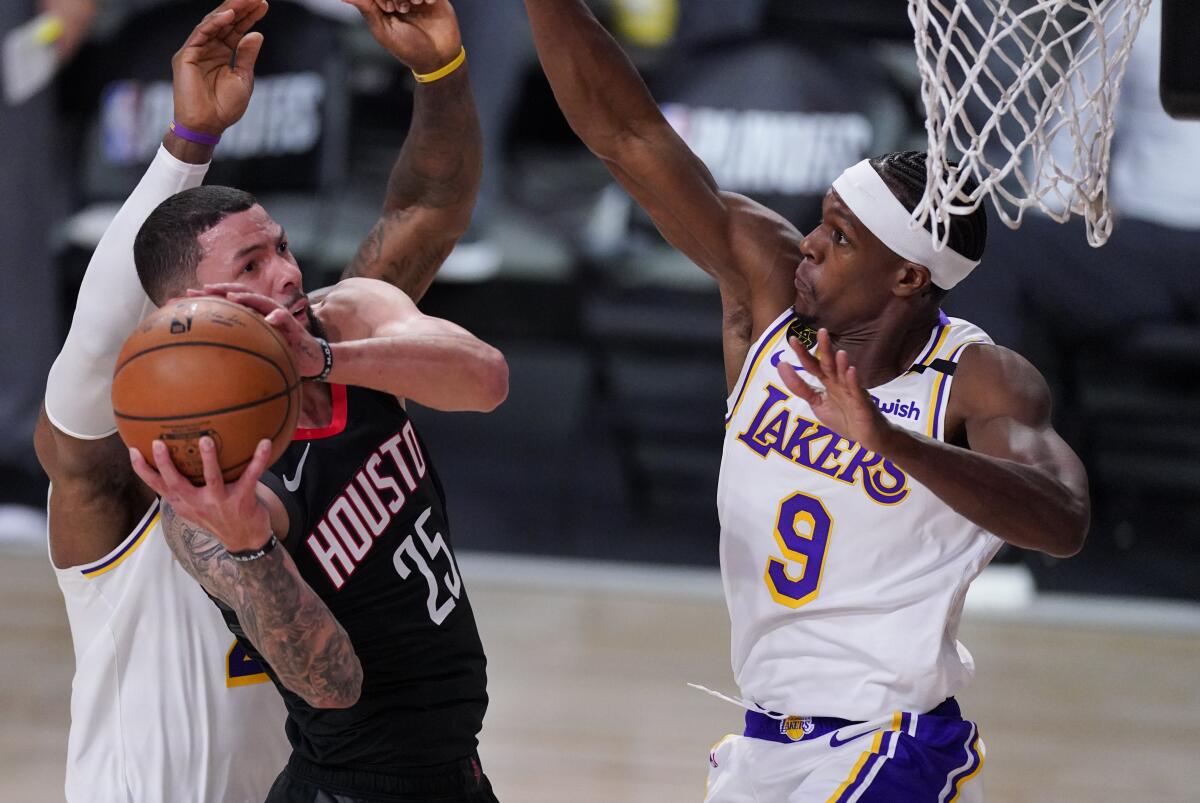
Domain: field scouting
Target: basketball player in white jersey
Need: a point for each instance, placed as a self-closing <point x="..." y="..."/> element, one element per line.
<point x="873" y="463"/>
<point x="165" y="706"/>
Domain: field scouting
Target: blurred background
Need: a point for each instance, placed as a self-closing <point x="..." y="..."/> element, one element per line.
<point x="608" y="447"/>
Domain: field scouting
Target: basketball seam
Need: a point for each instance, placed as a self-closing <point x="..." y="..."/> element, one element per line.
<point x="220" y="411"/>
<point x="214" y="343"/>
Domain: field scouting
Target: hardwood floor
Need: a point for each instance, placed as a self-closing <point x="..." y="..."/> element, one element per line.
<point x="589" y="703"/>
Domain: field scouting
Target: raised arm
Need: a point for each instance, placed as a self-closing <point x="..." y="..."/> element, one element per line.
<point x="380" y="340"/>
<point x="1018" y="480"/>
<point x="388" y="344"/>
<point x="432" y="188"/>
<point x="96" y="496"/>
<point x="281" y="615"/>
<point x="745" y="246"/>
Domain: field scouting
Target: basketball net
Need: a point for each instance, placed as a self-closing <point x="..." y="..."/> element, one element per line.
<point x="1021" y="94"/>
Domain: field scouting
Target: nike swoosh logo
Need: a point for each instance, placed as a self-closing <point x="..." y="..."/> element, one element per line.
<point x="294" y="482"/>
<point x="777" y="358"/>
<point x="834" y="741"/>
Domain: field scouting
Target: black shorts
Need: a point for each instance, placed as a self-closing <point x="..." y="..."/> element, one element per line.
<point x="459" y="782"/>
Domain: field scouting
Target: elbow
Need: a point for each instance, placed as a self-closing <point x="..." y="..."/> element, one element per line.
<point x="1071" y="536"/>
<point x="492" y="380"/>
<point x="1071" y="543"/>
<point x="456" y="219"/>
<point x="332" y="702"/>
<point x="338" y="692"/>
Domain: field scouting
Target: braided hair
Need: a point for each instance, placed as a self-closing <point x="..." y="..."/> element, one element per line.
<point x="904" y="173"/>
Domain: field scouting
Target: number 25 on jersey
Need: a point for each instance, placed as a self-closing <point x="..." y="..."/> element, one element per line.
<point x="802" y="533"/>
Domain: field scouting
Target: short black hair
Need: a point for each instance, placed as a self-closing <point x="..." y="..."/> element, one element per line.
<point x="905" y="174"/>
<point x="167" y="248"/>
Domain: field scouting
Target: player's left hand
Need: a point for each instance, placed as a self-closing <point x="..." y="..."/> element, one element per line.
<point x="844" y="404"/>
<point x="422" y="34"/>
<point x="307" y="354"/>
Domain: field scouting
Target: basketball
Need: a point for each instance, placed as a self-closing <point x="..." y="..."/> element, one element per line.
<point x="206" y="366"/>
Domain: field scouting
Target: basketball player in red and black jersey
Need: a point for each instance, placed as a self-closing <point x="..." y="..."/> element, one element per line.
<point x="334" y="567"/>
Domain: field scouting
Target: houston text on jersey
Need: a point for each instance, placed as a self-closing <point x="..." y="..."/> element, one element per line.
<point x="366" y="505"/>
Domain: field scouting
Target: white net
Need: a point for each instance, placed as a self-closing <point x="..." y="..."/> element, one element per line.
<point x="1021" y="94"/>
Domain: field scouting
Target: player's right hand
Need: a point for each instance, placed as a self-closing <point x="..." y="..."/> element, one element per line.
<point x="307" y="355"/>
<point x="214" y="70"/>
<point x="841" y="403"/>
<point x="232" y="513"/>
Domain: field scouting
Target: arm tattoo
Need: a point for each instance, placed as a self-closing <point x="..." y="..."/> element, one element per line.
<point x="280" y="613"/>
<point x="406" y="261"/>
<point x="431" y="191"/>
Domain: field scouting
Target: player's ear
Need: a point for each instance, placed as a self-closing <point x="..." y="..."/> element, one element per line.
<point x="911" y="280"/>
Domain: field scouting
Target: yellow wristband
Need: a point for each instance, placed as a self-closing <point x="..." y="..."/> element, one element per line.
<point x="437" y="75"/>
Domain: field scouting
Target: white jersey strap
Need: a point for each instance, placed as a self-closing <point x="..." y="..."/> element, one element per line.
<point x="738" y="701"/>
<point x="956" y="337"/>
<point x="775" y="334"/>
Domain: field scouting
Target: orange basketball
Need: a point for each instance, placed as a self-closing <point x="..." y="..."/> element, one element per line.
<point x="206" y="366"/>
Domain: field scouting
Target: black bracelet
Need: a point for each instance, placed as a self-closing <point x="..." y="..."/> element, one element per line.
<point x="327" y="351"/>
<point x="247" y="555"/>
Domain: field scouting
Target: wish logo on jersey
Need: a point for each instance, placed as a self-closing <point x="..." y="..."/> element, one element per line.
<point x="816" y="447"/>
<point x="898" y="408"/>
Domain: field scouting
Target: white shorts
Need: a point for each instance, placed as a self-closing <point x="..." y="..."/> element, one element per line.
<point x="914" y="758"/>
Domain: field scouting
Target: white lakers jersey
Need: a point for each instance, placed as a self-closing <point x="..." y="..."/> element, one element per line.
<point x="164" y="707"/>
<point x="844" y="577"/>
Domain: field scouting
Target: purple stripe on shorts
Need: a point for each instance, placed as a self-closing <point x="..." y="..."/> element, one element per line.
<point x="973" y="760"/>
<point x="861" y="782"/>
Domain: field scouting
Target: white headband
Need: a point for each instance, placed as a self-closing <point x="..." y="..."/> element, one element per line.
<point x="864" y="191"/>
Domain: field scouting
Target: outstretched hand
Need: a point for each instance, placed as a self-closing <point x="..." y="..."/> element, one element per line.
<point x="844" y="404"/>
<point x="422" y="34"/>
<point x="232" y="513"/>
<point x="214" y="70"/>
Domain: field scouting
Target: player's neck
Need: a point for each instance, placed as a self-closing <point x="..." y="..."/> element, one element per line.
<point x="316" y="406"/>
<point x="887" y="347"/>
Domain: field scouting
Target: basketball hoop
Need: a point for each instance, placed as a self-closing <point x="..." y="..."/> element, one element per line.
<point x="1020" y="95"/>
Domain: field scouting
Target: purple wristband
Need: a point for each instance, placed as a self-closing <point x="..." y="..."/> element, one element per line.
<point x="193" y="136"/>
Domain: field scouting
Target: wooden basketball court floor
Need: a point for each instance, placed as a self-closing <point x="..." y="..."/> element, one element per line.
<point x="1078" y="699"/>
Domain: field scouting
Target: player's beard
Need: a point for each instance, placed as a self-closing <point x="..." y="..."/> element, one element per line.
<point x="804" y="320"/>
<point x="315" y="327"/>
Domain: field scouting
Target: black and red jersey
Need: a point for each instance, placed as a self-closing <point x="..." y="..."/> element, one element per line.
<point x="369" y="533"/>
